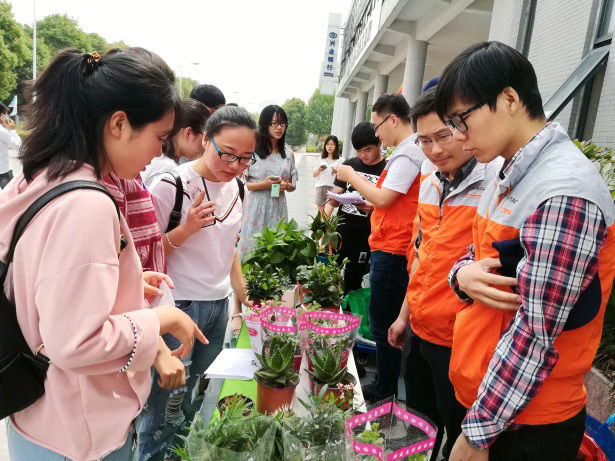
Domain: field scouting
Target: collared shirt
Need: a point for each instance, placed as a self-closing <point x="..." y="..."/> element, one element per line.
<point x="449" y="186"/>
<point x="573" y="229"/>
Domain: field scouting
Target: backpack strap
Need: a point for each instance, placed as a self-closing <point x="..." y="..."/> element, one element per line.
<point x="242" y="188"/>
<point x="176" y="215"/>
<point x="37" y="205"/>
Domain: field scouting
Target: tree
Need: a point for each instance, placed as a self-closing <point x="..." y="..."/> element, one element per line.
<point x="13" y="50"/>
<point x="60" y="31"/>
<point x="319" y="113"/>
<point x="187" y="85"/>
<point x="295" y="111"/>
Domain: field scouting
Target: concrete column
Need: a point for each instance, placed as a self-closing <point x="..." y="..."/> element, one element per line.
<point x="380" y="86"/>
<point x="414" y="70"/>
<point x="360" y="109"/>
<point x="348" y="128"/>
<point x="338" y="114"/>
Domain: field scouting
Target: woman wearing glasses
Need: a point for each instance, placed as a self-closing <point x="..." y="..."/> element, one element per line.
<point x="269" y="178"/>
<point x="203" y="263"/>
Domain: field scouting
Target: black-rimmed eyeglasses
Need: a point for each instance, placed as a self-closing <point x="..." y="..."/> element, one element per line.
<point x="380" y="124"/>
<point x="458" y="122"/>
<point x="230" y="158"/>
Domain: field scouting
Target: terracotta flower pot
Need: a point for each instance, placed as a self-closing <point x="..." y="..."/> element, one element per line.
<point x="297" y="362"/>
<point x="269" y="399"/>
<point x="333" y="390"/>
<point x="224" y="401"/>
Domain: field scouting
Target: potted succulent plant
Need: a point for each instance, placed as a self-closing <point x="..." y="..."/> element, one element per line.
<point x="236" y="401"/>
<point x="276" y="379"/>
<point x="264" y="282"/>
<point x="328" y="368"/>
<point x="322" y="283"/>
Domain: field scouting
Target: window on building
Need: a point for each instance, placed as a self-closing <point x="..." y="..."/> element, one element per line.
<point x="526" y="27"/>
<point x="606" y="22"/>
<point x="592" y="63"/>
<point x="589" y="107"/>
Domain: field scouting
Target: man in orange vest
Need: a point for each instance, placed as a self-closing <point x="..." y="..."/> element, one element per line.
<point x="451" y="188"/>
<point x="394" y="197"/>
<point x="528" y="335"/>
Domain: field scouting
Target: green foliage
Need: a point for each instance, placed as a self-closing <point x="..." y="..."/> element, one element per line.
<point x="187" y="85"/>
<point x="284" y="246"/>
<point x="13" y="50"/>
<point x="296" y="134"/>
<point x="323" y="282"/>
<point x="319" y="113"/>
<point x="313" y="149"/>
<point x="276" y="360"/>
<point x="327" y="362"/>
<point x="604" y="160"/>
<point x="324" y="231"/>
<point x="264" y="282"/>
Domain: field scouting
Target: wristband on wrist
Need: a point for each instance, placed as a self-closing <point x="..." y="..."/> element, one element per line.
<point x="169" y="242"/>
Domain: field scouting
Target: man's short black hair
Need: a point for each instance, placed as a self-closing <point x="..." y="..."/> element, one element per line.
<point x="364" y="135"/>
<point x="209" y="95"/>
<point x="425" y="104"/>
<point x="481" y="72"/>
<point x="394" y="104"/>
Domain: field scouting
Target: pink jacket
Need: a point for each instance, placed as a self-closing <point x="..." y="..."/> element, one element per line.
<point x="71" y="289"/>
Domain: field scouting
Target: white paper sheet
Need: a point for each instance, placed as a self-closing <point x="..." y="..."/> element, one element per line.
<point x="233" y="364"/>
<point x="349" y="198"/>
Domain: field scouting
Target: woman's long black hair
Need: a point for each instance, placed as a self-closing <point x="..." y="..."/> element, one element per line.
<point x="77" y="94"/>
<point x="336" y="152"/>
<point x="194" y="114"/>
<point x="263" y="142"/>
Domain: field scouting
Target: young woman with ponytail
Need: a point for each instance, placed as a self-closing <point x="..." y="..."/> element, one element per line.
<point x="75" y="277"/>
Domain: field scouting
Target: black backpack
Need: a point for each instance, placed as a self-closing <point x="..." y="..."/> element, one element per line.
<point x="22" y="372"/>
<point x="176" y="214"/>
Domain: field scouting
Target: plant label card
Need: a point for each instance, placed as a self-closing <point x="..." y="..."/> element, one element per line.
<point x="165" y="299"/>
<point x="194" y="187"/>
<point x="275" y="190"/>
<point x="237" y="364"/>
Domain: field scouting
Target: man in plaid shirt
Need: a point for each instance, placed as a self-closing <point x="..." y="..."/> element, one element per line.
<point x="531" y="330"/>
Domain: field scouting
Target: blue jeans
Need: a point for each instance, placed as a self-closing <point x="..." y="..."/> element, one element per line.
<point x="388" y="281"/>
<point x="169" y="413"/>
<point x="21" y="449"/>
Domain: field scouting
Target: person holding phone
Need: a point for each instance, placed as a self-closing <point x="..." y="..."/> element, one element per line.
<point x="204" y="266"/>
<point x="326" y="170"/>
<point x="9" y="139"/>
<point x="269" y="179"/>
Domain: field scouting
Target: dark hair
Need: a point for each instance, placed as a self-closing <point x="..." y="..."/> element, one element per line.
<point x="209" y="95"/>
<point x="4" y="109"/>
<point x="364" y="135"/>
<point x="263" y="143"/>
<point x="425" y="104"/>
<point x="229" y="117"/>
<point x="194" y="115"/>
<point x="233" y="104"/>
<point x="394" y="104"/>
<point x="336" y="152"/>
<point x="481" y="72"/>
<point x="76" y="95"/>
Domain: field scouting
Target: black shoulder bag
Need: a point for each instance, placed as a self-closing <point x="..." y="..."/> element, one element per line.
<point x="22" y="372"/>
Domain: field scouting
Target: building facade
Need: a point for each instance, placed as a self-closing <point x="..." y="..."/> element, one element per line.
<point x="398" y="45"/>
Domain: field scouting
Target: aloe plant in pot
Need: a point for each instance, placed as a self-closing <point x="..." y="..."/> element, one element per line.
<point x="276" y="379"/>
<point x="327" y="367"/>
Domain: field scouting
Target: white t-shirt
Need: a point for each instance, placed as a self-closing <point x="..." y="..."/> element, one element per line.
<point x="201" y="266"/>
<point x="403" y="171"/>
<point x="153" y="170"/>
<point x="326" y="176"/>
<point x="9" y="139"/>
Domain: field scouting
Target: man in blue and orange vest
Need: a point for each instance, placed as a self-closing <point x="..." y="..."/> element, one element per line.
<point x="452" y="186"/>
<point x="394" y="197"/>
<point x="530" y="331"/>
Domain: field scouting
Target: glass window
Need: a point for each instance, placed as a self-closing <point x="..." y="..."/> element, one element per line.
<point x="584" y="71"/>
<point x="607" y="21"/>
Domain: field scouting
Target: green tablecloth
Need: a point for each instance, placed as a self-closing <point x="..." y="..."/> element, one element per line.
<point x="233" y="386"/>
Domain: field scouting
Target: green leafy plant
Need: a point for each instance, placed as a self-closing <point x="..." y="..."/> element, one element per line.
<point x="324" y="231"/>
<point x="283" y="246"/>
<point x="326" y="361"/>
<point x="604" y="160"/>
<point x="276" y="360"/>
<point x="323" y="282"/>
<point x="264" y="282"/>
